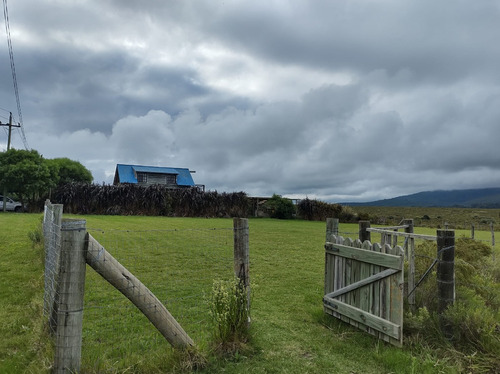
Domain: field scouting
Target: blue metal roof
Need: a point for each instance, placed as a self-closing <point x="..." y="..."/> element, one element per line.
<point x="128" y="173"/>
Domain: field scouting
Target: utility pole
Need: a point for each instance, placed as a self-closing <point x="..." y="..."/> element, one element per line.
<point x="11" y="125"/>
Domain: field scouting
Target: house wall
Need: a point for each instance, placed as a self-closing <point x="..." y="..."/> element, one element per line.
<point x="156" y="178"/>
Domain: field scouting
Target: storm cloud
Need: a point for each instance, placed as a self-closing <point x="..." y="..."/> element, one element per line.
<point x="341" y="101"/>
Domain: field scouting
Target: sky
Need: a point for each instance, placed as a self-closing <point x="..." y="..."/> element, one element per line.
<point x="335" y="100"/>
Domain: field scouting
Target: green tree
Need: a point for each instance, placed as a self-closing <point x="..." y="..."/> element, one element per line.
<point x="280" y="207"/>
<point x="25" y="173"/>
<point x="69" y="171"/>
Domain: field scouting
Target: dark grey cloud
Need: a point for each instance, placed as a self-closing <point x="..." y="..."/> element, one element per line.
<point x="339" y="100"/>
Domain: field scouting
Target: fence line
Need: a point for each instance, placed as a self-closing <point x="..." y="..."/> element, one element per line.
<point x="178" y="266"/>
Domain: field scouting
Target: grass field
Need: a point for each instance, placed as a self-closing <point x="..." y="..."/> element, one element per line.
<point x="290" y="333"/>
<point x="433" y="217"/>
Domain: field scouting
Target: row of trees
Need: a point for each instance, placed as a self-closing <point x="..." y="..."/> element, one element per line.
<point x="29" y="177"/>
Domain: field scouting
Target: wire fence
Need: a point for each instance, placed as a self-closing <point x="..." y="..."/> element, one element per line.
<point x="52" y="241"/>
<point x="421" y="256"/>
<point x="177" y="266"/>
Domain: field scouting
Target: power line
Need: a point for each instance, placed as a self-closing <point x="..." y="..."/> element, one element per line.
<point x="13" y="68"/>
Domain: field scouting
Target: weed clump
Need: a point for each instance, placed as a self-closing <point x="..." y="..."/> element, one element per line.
<point x="230" y="316"/>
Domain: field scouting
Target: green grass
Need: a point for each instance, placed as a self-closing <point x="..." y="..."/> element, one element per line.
<point x="290" y="333"/>
<point x="433" y="217"/>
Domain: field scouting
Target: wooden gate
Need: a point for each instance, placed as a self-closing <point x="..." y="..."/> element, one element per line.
<point x="364" y="286"/>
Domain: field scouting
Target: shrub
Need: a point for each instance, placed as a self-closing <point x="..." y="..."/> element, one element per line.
<point x="315" y="210"/>
<point x="280" y="207"/>
<point x="474" y="317"/>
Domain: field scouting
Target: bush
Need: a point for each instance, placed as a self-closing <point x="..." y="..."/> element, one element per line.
<point x="280" y="207"/>
<point x="475" y="316"/>
<point x="315" y="210"/>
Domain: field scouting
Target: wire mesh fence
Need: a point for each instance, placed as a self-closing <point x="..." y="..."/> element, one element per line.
<point x="52" y="242"/>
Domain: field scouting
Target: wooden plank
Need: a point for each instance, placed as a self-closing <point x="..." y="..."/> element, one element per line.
<point x="385" y="260"/>
<point x="346" y="277"/>
<point x="356" y="314"/>
<point x="396" y="297"/>
<point x="353" y="278"/>
<point x="329" y="271"/>
<point x="375" y="289"/>
<point x="364" y="292"/>
<point x="389" y="228"/>
<point x="132" y="288"/>
<point x="385" y="297"/>
<point x="363" y="282"/>
<point x="404" y="234"/>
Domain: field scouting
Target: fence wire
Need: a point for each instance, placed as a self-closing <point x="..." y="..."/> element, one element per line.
<point x="177" y="266"/>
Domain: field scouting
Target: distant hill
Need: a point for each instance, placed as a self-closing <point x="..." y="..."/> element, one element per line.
<point x="473" y="198"/>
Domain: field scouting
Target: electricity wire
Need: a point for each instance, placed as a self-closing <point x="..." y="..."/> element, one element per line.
<point x="14" y="77"/>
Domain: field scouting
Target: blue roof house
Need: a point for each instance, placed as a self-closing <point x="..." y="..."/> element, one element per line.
<point x="148" y="175"/>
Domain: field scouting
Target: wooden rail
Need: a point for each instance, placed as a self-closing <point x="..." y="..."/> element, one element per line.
<point x="404" y="234"/>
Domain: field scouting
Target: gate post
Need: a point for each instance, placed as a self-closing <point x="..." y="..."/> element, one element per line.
<point x="332" y="227"/>
<point x="445" y="275"/>
<point x="363" y="233"/>
<point x="68" y="349"/>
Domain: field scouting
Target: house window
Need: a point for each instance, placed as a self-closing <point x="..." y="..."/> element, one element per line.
<point x="170" y="179"/>
<point x="142" y="178"/>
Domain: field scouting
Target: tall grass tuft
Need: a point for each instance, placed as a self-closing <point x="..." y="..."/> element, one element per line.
<point x="229" y="316"/>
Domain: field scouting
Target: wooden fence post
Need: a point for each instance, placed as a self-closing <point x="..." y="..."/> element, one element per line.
<point x="445" y="275"/>
<point x="410" y="245"/>
<point x="363" y="233"/>
<point x="472" y="231"/>
<point x="68" y="347"/>
<point x="332" y="227"/>
<point x="242" y="254"/>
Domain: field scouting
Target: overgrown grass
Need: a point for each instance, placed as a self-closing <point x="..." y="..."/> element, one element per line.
<point x="290" y="332"/>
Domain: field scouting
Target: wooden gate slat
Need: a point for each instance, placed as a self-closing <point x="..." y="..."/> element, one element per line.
<point x="382" y="259"/>
<point x="387" y="327"/>
<point x="363" y="282"/>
